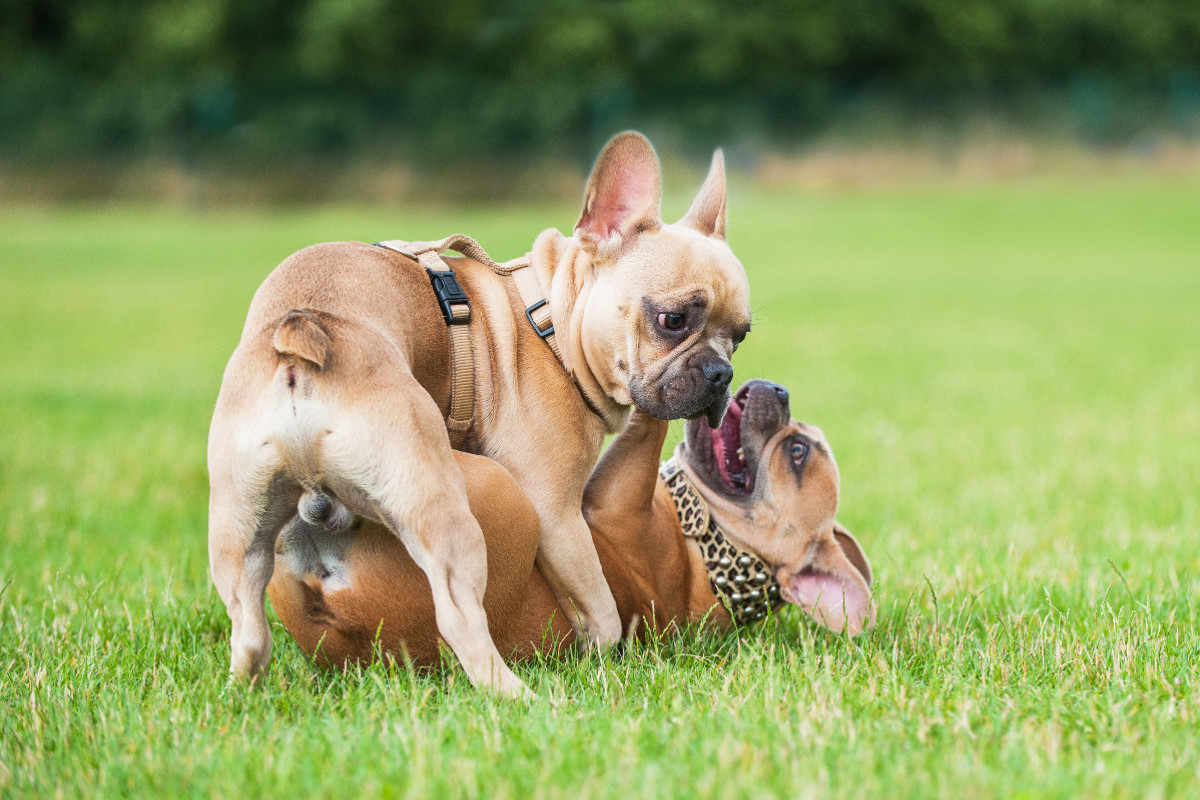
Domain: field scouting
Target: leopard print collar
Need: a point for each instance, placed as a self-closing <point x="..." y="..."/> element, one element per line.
<point x="742" y="581"/>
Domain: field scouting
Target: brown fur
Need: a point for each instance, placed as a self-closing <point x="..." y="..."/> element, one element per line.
<point x="656" y="574"/>
<point x="339" y="386"/>
<point x="300" y="334"/>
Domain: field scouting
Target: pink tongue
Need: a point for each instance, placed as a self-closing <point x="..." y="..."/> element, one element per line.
<point x="831" y="601"/>
<point x="726" y="437"/>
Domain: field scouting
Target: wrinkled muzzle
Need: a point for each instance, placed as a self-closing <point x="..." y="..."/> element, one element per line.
<point x="691" y="388"/>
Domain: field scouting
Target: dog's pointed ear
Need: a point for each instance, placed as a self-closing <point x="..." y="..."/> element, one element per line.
<point x="707" y="213"/>
<point x="622" y="196"/>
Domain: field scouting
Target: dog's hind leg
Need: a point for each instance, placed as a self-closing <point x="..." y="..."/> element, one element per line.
<point x="398" y="454"/>
<point x="247" y="509"/>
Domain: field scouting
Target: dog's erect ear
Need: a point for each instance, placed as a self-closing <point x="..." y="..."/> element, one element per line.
<point x="707" y="213"/>
<point x="622" y="196"/>
<point x="853" y="551"/>
<point x="833" y="590"/>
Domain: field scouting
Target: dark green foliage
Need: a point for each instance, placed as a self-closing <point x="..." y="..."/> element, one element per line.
<point x="464" y="79"/>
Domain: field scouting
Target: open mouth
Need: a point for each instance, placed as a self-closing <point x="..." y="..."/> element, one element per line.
<point x="728" y="454"/>
<point x="727" y="458"/>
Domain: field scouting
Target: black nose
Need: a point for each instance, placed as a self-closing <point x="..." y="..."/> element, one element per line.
<point x="718" y="373"/>
<point x="781" y="393"/>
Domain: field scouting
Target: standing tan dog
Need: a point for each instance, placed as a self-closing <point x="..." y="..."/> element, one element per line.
<point x="745" y="512"/>
<point x="339" y="386"/>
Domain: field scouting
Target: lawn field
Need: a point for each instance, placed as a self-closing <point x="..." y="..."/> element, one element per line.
<point x="1008" y="373"/>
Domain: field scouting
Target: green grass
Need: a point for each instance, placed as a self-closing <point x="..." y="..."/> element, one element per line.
<point x="1009" y="375"/>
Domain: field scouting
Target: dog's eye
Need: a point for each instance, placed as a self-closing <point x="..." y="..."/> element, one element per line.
<point x="671" y="320"/>
<point x="799" y="451"/>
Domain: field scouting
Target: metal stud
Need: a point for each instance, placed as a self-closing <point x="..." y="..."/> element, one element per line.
<point x="744" y="561"/>
<point x="736" y="597"/>
<point x="720" y="580"/>
<point x="724" y="561"/>
<point x="760" y="578"/>
<point x="739" y="579"/>
<point x="760" y="615"/>
<point x="755" y="594"/>
<point x="750" y="609"/>
<point x="773" y="591"/>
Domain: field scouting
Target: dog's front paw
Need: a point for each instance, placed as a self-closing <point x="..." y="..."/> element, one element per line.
<point x="599" y="633"/>
<point x="513" y="688"/>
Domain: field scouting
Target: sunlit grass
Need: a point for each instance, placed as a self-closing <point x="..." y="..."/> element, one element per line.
<point x="1009" y="376"/>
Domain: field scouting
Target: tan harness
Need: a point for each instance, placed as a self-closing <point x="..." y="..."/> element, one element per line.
<point x="456" y="310"/>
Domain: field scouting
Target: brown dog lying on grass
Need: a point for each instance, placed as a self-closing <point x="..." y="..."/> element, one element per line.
<point x="740" y="520"/>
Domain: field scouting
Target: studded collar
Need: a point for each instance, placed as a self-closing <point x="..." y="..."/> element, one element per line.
<point x="742" y="581"/>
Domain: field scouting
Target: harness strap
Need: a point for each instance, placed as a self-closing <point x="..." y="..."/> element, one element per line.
<point x="456" y="242"/>
<point x="456" y="310"/>
<point x="537" y="310"/>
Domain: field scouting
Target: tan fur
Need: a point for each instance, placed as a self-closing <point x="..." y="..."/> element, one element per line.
<point x="339" y="386"/>
<point x="657" y="575"/>
<point x="300" y="334"/>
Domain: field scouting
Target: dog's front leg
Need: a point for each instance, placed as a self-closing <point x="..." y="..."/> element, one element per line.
<point x="568" y="560"/>
<point x="622" y="483"/>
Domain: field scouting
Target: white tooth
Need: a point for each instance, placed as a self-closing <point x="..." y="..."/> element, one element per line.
<point x="741" y="454"/>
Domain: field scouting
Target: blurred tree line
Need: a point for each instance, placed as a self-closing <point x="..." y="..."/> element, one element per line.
<point x="280" y="79"/>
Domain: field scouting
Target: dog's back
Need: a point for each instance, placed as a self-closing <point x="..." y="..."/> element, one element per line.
<point x="331" y="393"/>
<point x="328" y="325"/>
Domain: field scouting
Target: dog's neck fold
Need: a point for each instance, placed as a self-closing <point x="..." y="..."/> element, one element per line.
<point x="564" y="269"/>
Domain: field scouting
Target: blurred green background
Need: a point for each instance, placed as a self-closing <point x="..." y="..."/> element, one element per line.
<point x="972" y="232"/>
<point x="463" y="81"/>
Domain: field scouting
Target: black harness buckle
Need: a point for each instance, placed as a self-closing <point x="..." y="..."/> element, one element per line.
<point x="449" y="292"/>
<point x="529" y="316"/>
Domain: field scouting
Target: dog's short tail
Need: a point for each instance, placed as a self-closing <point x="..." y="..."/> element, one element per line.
<point x="301" y="334"/>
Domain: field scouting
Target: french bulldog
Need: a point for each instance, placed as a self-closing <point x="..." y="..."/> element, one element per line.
<point x="333" y="402"/>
